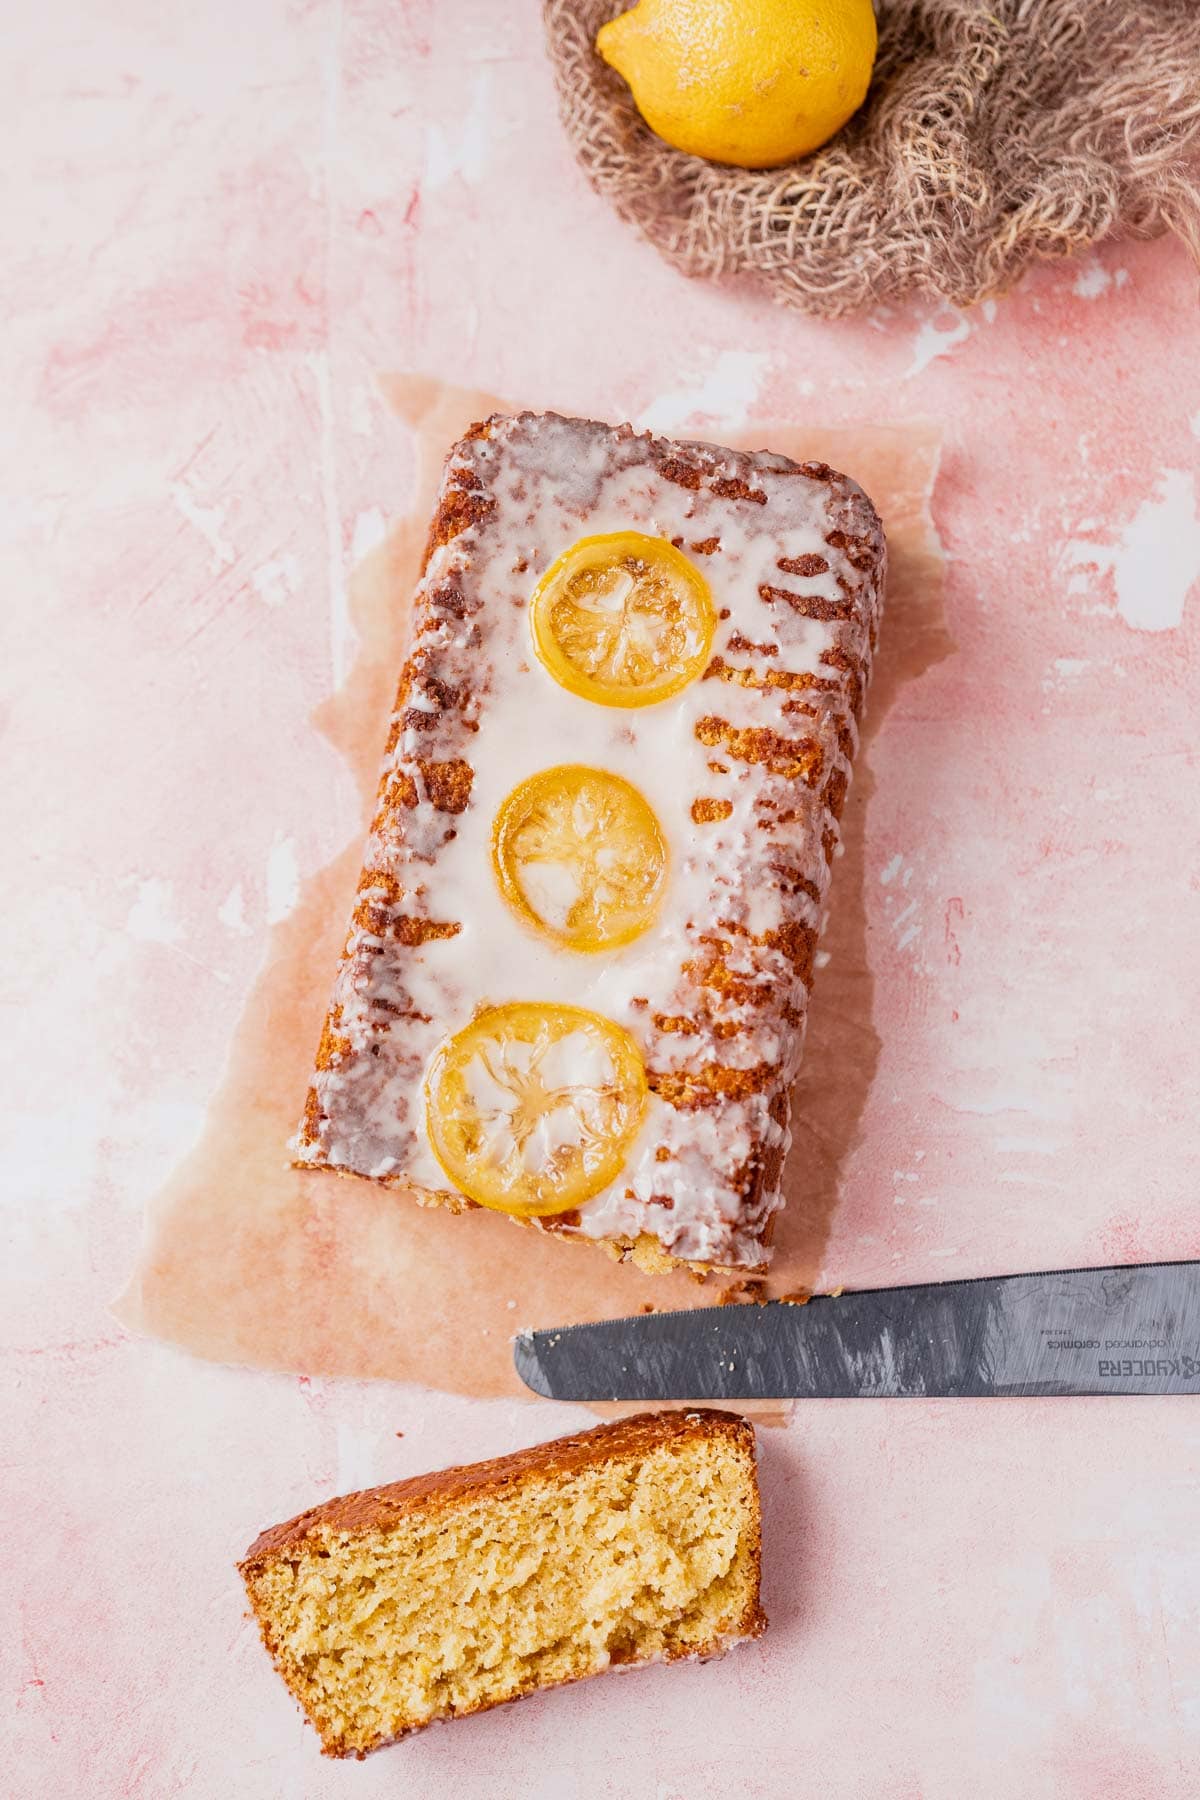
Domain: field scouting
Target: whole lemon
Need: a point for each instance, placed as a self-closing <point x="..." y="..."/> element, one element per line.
<point x="751" y="82"/>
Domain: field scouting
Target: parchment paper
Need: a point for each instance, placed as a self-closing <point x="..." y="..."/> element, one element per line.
<point x="249" y="1260"/>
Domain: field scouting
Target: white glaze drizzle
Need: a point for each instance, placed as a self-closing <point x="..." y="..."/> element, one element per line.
<point x="550" y="482"/>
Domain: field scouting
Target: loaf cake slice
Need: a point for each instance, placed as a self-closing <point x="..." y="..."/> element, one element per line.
<point x="633" y="1543"/>
<point x="576" y="979"/>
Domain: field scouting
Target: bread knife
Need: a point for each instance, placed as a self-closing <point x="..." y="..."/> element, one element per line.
<point x="1131" y="1330"/>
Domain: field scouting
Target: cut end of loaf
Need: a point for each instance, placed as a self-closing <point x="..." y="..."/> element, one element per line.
<point x="637" y="1542"/>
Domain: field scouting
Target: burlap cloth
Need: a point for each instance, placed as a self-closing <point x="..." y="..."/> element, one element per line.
<point x="996" y="133"/>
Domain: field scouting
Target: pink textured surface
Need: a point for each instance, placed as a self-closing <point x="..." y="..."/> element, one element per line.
<point x="226" y="223"/>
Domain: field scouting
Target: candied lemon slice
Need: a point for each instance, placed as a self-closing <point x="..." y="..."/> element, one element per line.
<point x="578" y="852"/>
<point x="531" y="1108"/>
<point x="623" y="619"/>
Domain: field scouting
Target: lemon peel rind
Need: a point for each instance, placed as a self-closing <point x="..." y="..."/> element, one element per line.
<point x="512" y="815"/>
<point x="629" y="1063"/>
<point x="575" y="559"/>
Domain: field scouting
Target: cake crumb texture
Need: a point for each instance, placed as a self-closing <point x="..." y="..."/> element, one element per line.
<point x="637" y="1542"/>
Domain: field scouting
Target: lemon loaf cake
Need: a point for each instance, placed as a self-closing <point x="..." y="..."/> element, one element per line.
<point x="576" y="978"/>
<point x="637" y="1542"/>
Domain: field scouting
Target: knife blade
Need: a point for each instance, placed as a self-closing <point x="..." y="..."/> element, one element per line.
<point x="1128" y="1330"/>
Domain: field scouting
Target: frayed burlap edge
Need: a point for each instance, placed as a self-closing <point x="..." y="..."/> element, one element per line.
<point x="997" y="133"/>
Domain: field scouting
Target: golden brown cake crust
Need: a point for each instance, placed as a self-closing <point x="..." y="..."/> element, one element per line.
<point x="379" y="1509"/>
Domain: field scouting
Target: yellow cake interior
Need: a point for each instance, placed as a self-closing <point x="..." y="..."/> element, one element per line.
<point x="467" y="1603"/>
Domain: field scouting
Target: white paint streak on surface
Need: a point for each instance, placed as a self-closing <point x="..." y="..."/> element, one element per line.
<point x="911" y="924"/>
<point x="277" y="580"/>
<point x="465" y="151"/>
<point x="1063" y="671"/>
<point x="232" y="911"/>
<point x="209" y="521"/>
<point x="357" y="1456"/>
<point x="888" y="875"/>
<point x="341" y="635"/>
<point x="152" y="917"/>
<point x="726" y="392"/>
<point x="341" y="632"/>
<point x="1033" y="1104"/>
<point x="283" y="880"/>
<point x="1156" y="560"/>
<point x="361" y="411"/>
<point x="1092" y="280"/>
<point x="938" y="338"/>
<point x="370" y="529"/>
